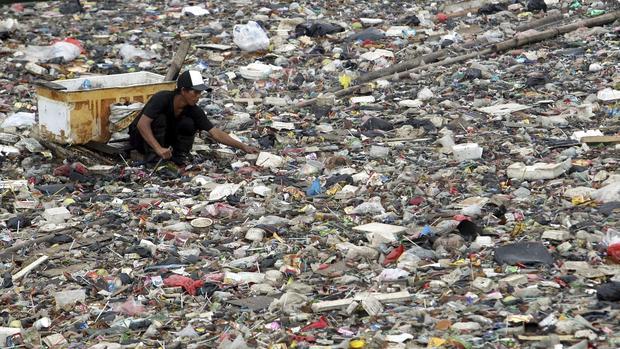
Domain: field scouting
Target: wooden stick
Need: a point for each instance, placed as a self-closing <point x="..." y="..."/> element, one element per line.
<point x="600" y="139"/>
<point x="563" y="338"/>
<point x="89" y="153"/>
<point x="449" y="61"/>
<point x="343" y="303"/>
<point x="522" y="41"/>
<point x="420" y="63"/>
<point x="177" y="61"/>
<point x="425" y="59"/>
<point x="396" y="68"/>
<point x="551" y="17"/>
<point x="29" y="268"/>
<point x="551" y="33"/>
<point x="8" y="251"/>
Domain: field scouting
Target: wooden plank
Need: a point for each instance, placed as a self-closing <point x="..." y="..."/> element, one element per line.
<point x="600" y="139"/>
<point x="389" y="297"/>
<point x="395" y="297"/>
<point x="562" y="338"/>
<point x="54" y="272"/>
<point x="177" y="61"/>
<point x="103" y="148"/>
<point x="20" y="274"/>
<point x="331" y="305"/>
<point x="249" y="101"/>
<point x="49" y="84"/>
<point x="7" y="252"/>
<point x="89" y="154"/>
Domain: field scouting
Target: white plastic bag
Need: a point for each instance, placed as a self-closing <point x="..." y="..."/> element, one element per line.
<point x="19" y="120"/>
<point x="122" y="115"/>
<point x="250" y="37"/>
<point x="64" y="49"/>
<point x="130" y="53"/>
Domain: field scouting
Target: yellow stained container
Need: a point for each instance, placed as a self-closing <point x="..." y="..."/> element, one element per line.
<point x="80" y="112"/>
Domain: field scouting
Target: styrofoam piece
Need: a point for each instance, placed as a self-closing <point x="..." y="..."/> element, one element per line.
<point x="223" y="190"/>
<point x="13" y="184"/>
<point x="376" y="54"/>
<point x="467" y="151"/>
<point x="61" y="121"/>
<point x="371" y="21"/>
<point x="379" y="233"/>
<point x="557" y="235"/>
<point x="503" y="109"/>
<point x="411" y="103"/>
<point x="268" y="160"/>
<point x="396" y="31"/>
<point x="608" y="94"/>
<point x="195" y="11"/>
<point x="56" y="214"/>
<point x="537" y="171"/>
<point x="578" y="135"/>
<point x="261" y="190"/>
<point x="243" y="278"/>
<point x="380" y="227"/>
<point x="362" y="99"/>
<point x="8" y="150"/>
<point x="258" y="71"/>
<point x="484" y="241"/>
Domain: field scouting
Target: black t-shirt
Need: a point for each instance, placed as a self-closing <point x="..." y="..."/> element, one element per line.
<point x="161" y="105"/>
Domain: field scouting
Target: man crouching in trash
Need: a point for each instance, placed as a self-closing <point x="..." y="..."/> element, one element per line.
<point x="167" y="124"/>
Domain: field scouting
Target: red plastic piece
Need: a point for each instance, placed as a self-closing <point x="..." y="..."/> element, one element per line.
<point x="394" y="255"/>
<point x="322" y="323"/>
<point x="188" y="284"/>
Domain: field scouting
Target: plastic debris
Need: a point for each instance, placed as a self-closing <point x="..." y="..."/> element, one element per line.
<point x="436" y="175"/>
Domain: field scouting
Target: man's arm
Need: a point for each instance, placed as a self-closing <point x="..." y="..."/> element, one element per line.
<point x="223" y="137"/>
<point x="144" y="127"/>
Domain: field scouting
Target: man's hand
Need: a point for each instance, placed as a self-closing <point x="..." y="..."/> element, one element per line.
<point x="224" y="138"/>
<point x="164" y="153"/>
<point x="249" y="149"/>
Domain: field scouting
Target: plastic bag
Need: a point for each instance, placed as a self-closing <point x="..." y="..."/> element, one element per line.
<point x="9" y="25"/>
<point x="67" y="50"/>
<point x="220" y="209"/>
<point x="250" y="37"/>
<point x="20" y="119"/>
<point x="372" y="206"/>
<point x="612" y="240"/>
<point x="188" y="284"/>
<point x="122" y="115"/>
<point x="129" y="307"/>
<point x="392" y="274"/>
<point x="131" y="53"/>
<point x="315" y="188"/>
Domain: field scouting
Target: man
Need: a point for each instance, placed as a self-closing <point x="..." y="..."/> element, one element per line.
<point x="167" y="125"/>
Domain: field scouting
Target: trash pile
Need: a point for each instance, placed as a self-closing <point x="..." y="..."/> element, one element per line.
<point x="431" y="175"/>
